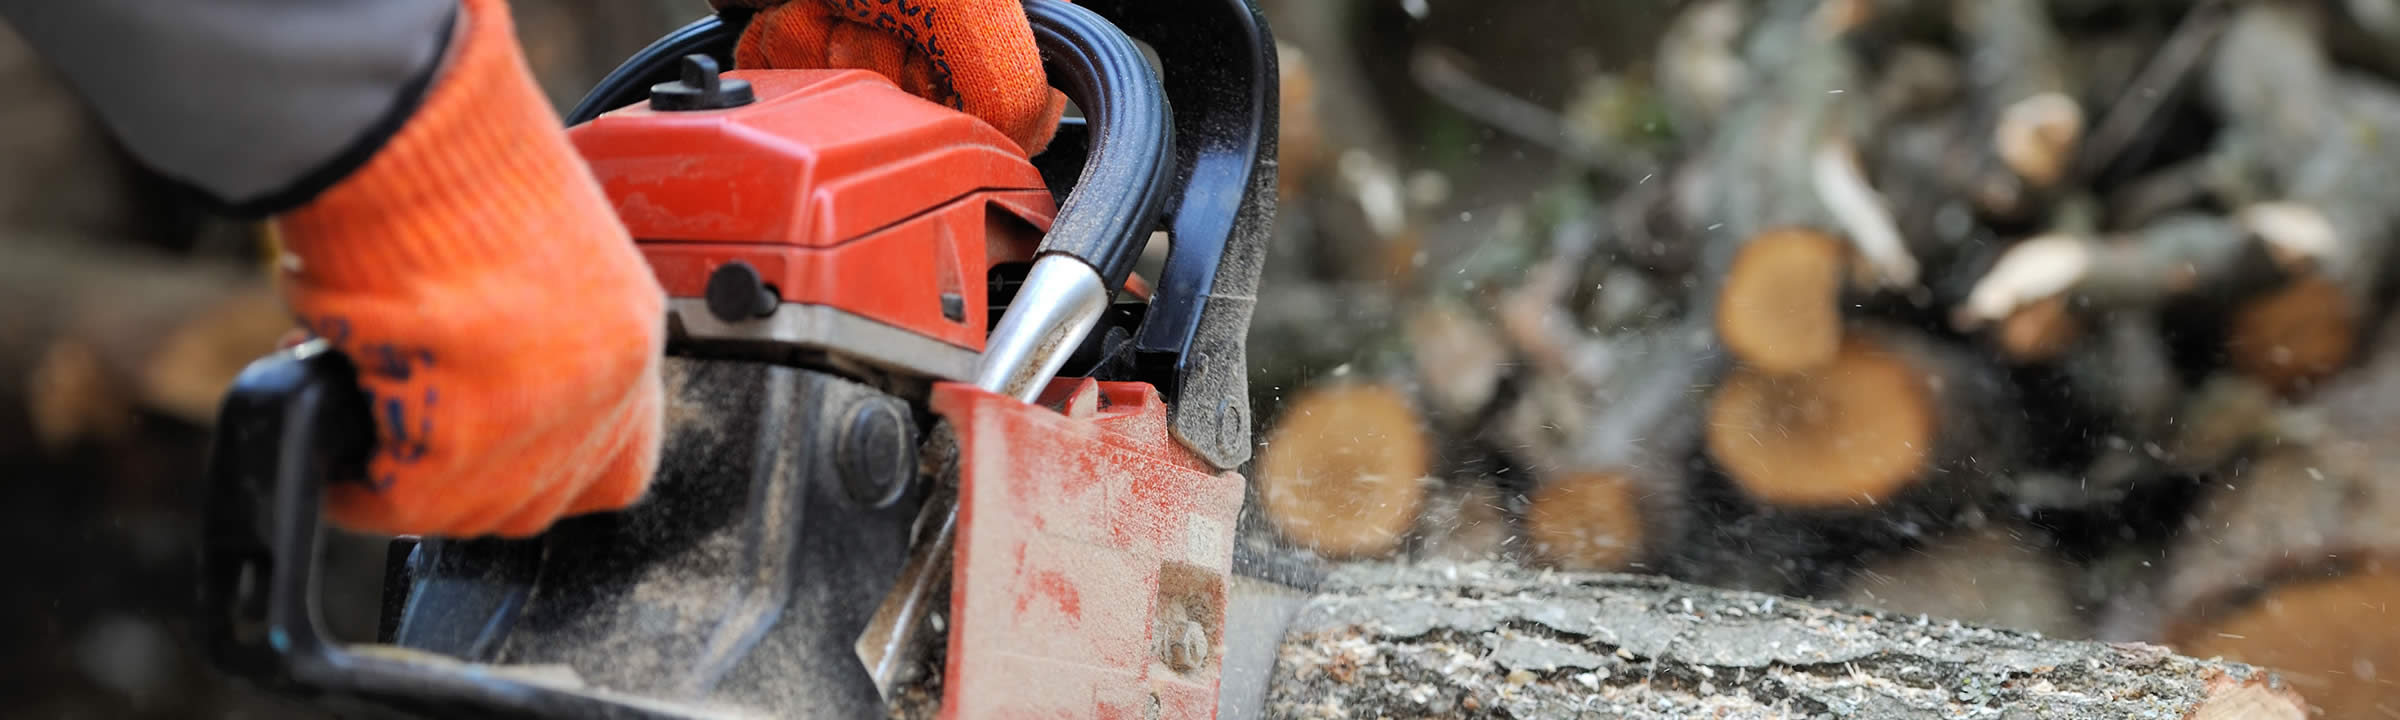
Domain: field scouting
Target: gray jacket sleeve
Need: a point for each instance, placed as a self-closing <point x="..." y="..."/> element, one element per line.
<point x="257" y="104"/>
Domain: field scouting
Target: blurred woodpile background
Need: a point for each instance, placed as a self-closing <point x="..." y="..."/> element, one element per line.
<point x="2068" y="315"/>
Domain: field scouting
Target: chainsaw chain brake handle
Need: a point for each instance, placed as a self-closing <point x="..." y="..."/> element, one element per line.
<point x="1100" y="229"/>
<point x="1198" y="164"/>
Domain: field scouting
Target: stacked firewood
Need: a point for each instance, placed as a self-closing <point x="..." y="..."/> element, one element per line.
<point x="2060" y="315"/>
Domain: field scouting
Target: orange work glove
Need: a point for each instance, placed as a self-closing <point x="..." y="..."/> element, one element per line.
<point x="976" y="56"/>
<point x="506" y="330"/>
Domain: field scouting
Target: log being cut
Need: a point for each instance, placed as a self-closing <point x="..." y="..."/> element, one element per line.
<point x="1488" y="641"/>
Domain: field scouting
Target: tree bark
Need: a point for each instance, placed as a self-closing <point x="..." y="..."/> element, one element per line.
<point x="1482" y="641"/>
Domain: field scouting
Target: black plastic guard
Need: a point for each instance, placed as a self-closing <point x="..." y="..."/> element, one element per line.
<point x="1219" y="64"/>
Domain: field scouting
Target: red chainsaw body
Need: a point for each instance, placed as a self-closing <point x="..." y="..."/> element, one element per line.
<point x="1094" y="551"/>
<point x="1093" y="558"/>
<point x="842" y="190"/>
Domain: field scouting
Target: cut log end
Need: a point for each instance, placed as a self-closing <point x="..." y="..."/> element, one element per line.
<point x="2039" y="332"/>
<point x="2252" y="699"/>
<point x="1858" y="431"/>
<point x="1780" y="309"/>
<point x="2318" y="634"/>
<point x="1586" y="521"/>
<point x="2294" y="336"/>
<point x="2037" y="137"/>
<point x="1344" y="470"/>
<point x="2041" y="267"/>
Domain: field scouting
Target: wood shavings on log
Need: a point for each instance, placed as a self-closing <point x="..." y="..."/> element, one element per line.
<point x="1487" y="641"/>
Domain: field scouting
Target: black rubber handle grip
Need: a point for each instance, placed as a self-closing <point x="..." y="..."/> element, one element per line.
<point x="1126" y="174"/>
<point x="293" y="424"/>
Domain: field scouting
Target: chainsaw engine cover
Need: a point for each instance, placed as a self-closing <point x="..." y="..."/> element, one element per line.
<point x="834" y="212"/>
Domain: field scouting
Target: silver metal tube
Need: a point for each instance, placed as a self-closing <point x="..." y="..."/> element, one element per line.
<point x="1060" y="302"/>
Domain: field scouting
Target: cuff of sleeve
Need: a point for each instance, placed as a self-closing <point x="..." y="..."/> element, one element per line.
<point x="482" y="177"/>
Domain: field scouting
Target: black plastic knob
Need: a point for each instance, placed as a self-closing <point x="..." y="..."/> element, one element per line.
<point x="700" y="89"/>
<point x="877" y="458"/>
<point x="737" y="293"/>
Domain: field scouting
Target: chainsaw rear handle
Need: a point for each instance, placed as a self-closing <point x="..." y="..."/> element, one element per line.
<point x="293" y="422"/>
<point x="1218" y="66"/>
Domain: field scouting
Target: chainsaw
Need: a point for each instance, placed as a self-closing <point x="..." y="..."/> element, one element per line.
<point x="932" y="449"/>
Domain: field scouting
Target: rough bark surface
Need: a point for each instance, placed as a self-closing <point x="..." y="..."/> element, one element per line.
<point x="1483" y="641"/>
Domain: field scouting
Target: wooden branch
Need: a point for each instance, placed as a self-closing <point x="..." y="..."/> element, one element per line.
<point x="2314" y="135"/>
<point x="1588" y="521"/>
<point x="1783" y="157"/>
<point x="2015" y="64"/>
<point x="2185" y="254"/>
<point x="1701" y="73"/>
<point x="1482" y="641"/>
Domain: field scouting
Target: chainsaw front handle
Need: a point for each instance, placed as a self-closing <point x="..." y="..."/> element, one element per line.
<point x="1101" y="228"/>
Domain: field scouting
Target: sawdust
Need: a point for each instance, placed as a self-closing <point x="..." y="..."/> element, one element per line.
<point x="550" y="676"/>
<point x="1482" y="640"/>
